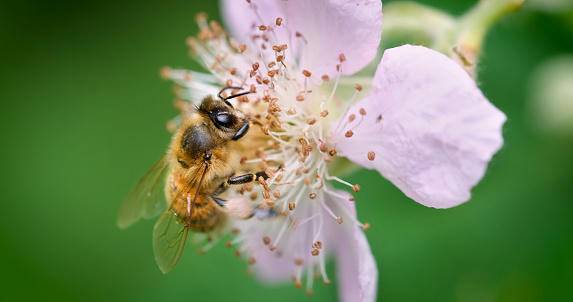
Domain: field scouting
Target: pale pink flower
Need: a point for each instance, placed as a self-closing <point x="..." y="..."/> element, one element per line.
<point x="424" y="125"/>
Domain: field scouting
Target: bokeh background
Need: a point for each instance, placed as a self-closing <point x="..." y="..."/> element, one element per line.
<point x="83" y="114"/>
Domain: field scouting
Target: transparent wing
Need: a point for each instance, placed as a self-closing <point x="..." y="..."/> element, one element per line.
<point x="146" y="199"/>
<point x="170" y="231"/>
<point x="169" y="236"/>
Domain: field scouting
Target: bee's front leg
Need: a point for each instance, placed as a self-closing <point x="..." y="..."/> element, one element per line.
<point x="247" y="178"/>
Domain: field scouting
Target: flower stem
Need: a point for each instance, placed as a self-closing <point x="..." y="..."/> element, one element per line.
<point x="472" y="27"/>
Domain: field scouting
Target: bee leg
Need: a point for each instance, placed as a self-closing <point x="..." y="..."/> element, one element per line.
<point x="247" y="178"/>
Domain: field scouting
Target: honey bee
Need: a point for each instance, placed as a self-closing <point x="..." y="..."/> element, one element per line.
<point x="199" y="165"/>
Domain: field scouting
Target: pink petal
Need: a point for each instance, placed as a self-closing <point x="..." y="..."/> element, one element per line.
<point x="356" y="268"/>
<point x="437" y="131"/>
<point x="330" y="27"/>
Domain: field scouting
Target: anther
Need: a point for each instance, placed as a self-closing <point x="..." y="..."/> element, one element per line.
<point x="352" y="198"/>
<point x="233" y="71"/>
<point x="229" y="83"/>
<point x="325" y="78"/>
<point x="228" y="244"/>
<point x="256" y="66"/>
<point x="315" y="252"/>
<point x="349" y="133"/>
<point x="366" y="226"/>
<point x="283" y="47"/>
<point x="241" y="48"/>
<point x="254" y="196"/>
<point x="323" y="147"/>
<point x="333" y="152"/>
<point x="352" y="117"/>
<point x="266" y="240"/>
<point x="342" y="57"/>
<point x="235" y="231"/>
<point x="237" y="253"/>
<point x="272" y="64"/>
<point x="253" y="88"/>
<point x="272" y="247"/>
<point x="165" y="73"/>
<point x="271" y="73"/>
<point x="276" y="48"/>
<point x="307" y="181"/>
<point x="312" y="195"/>
<point x="362" y="111"/>
<point x="248" y="187"/>
<point x="298" y="261"/>
<point x="266" y="195"/>
<point x="270" y="202"/>
<point x="358" y="87"/>
<point x="252" y="261"/>
<point x="355" y="188"/>
<point x="300" y="97"/>
<point x="291" y="111"/>
<point x="279" y="178"/>
<point x="339" y="219"/>
<point x="311" y="121"/>
<point x="276" y="193"/>
<point x="324" y="113"/>
<point x="298" y="284"/>
<point x="309" y="292"/>
<point x="291" y="206"/>
<point x="306" y="73"/>
<point x="371" y="155"/>
<point x="279" y="21"/>
<point x="379" y="119"/>
<point x="326" y="282"/>
<point x="262" y="28"/>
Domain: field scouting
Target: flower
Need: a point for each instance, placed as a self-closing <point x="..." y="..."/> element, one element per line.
<point x="424" y="125"/>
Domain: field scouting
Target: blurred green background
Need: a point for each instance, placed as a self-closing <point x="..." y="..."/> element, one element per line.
<point x="83" y="114"/>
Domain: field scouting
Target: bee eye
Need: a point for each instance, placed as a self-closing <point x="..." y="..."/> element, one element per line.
<point x="224" y="119"/>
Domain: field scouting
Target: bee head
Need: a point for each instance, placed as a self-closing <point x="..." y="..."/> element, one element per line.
<point x="231" y="123"/>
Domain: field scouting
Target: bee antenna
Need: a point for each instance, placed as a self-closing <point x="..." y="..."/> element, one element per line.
<point x="231" y="96"/>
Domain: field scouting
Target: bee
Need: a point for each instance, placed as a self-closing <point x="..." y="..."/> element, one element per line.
<point x="199" y="165"/>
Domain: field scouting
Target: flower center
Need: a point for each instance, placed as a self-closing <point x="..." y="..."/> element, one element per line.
<point x="294" y="123"/>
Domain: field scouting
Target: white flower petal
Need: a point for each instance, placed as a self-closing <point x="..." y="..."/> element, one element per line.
<point x="431" y="129"/>
<point x="328" y="28"/>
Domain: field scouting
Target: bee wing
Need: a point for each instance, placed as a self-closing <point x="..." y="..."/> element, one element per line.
<point x="146" y="199"/>
<point x="169" y="236"/>
<point x="170" y="231"/>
